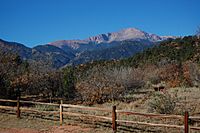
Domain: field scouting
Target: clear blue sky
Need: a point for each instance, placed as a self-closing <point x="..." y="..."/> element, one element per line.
<point x="34" y="22"/>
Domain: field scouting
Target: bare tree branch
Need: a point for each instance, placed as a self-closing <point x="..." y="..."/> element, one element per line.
<point x="198" y="31"/>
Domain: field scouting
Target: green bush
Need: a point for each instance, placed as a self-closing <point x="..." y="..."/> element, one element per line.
<point x="162" y="103"/>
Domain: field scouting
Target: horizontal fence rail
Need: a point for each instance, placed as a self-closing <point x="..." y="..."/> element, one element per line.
<point x="87" y="115"/>
<point x="86" y="108"/>
<point x="150" y="114"/>
<point x="40" y="103"/>
<point x="112" y="118"/>
<point x="151" y="124"/>
<point x="194" y="118"/>
<point x="39" y="111"/>
<point x="7" y="100"/>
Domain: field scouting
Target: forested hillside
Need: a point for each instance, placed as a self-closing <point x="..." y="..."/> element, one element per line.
<point x="178" y="50"/>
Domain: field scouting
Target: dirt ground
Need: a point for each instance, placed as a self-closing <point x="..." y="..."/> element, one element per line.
<point x="63" y="129"/>
<point x="10" y="124"/>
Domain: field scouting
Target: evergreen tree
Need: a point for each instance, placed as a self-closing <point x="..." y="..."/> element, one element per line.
<point x="68" y="82"/>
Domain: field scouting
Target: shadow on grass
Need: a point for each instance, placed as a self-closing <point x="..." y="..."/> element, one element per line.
<point x="85" y="121"/>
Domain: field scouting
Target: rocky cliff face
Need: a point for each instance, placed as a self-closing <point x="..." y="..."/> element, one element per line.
<point x="125" y="34"/>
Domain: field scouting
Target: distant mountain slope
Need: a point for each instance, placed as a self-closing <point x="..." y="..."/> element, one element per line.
<point x="16" y="48"/>
<point x="119" y="51"/>
<point x="53" y="56"/>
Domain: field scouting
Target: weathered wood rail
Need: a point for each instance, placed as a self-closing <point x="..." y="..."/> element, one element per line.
<point x="113" y="111"/>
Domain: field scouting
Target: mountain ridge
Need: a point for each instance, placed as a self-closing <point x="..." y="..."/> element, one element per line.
<point x="131" y="34"/>
<point x="114" y="45"/>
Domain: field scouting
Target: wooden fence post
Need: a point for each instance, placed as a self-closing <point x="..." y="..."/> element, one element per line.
<point x="114" y="117"/>
<point x="61" y="114"/>
<point x="186" y="122"/>
<point x="18" y="108"/>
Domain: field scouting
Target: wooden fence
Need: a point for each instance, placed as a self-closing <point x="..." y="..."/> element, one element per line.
<point x="113" y="111"/>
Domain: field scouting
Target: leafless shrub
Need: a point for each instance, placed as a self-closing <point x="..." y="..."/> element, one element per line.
<point x="194" y="73"/>
<point x="198" y="31"/>
<point x="109" y="83"/>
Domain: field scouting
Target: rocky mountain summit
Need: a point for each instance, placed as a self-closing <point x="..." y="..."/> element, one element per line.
<point x="125" y="34"/>
<point x="130" y="34"/>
